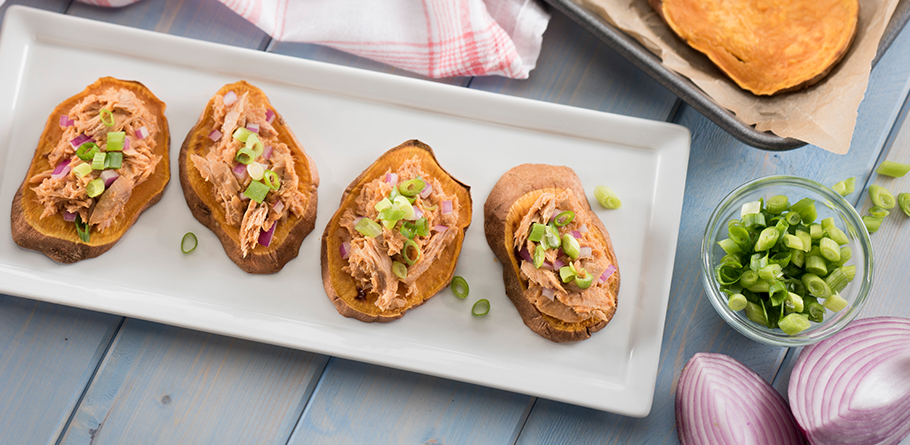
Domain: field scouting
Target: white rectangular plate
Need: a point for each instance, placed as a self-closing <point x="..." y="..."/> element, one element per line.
<point x="345" y="118"/>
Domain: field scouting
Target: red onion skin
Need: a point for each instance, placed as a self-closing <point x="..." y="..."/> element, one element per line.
<point x="721" y="401"/>
<point x="829" y="384"/>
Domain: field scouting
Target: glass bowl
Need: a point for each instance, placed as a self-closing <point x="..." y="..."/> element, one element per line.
<point x="828" y="203"/>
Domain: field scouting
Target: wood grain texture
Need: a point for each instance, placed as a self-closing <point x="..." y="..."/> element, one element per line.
<point x="365" y="404"/>
<point x="575" y="68"/>
<point x="48" y="354"/>
<point x="162" y="384"/>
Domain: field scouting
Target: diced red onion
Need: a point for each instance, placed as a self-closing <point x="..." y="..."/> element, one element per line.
<point x="446" y="207"/>
<point x="585" y="251"/>
<point x="265" y="236"/>
<point x="854" y="387"/>
<point x="426" y="191"/>
<point x="62" y="169"/>
<point x="558" y="264"/>
<point x="229" y="98"/>
<point x="109" y="176"/>
<point x="345" y="250"/>
<point x="215" y="135"/>
<point x="81" y="139"/>
<point x="549" y="293"/>
<point x="254" y="127"/>
<point x="239" y="171"/>
<point x="65" y="121"/>
<point x="720" y="400"/>
<point x="556" y="213"/>
<point x="583" y="228"/>
<point x="441" y="228"/>
<point x="142" y="132"/>
<point x="524" y="254"/>
<point x="278" y="206"/>
<point x="267" y="152"/>
<point x="126" y="144"/>
<point x="576" y="234"/>
<point x="391" y="178"/>
<point x="607" y="273"/>
<point x="417" y="212"/>
<point x="269" y="116"/>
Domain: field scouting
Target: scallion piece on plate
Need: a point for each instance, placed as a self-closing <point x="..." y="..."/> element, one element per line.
<point x="254" y="144"/>
<point x="94" y="188"/>
<point x="878" y="211"/>
<point x="399" y="269"/>
<point x="872" y="223"/>
<point x="903" y="200"/>
<point x="460" y="287"/>
<point x="107" y="117"/>
<point x="189" y="242"/>
<point x="845" y="187"/>
<point x="481" y="307"/>
<point x="607" y="197"/>
<point x="256" y="191"/>
<point x="368" y="228"/>
<point x="881" y="197"/>
<point x="567" y="273"/>
<point x="893" y="169"/>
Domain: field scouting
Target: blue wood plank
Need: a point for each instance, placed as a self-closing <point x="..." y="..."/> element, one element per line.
<point x="48" y="353"/>
<point x="360" y="403"/>
<point x="162" y="384"/>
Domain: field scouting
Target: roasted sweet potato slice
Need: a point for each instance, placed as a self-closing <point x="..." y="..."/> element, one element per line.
<point x="558" y="309"/>
<point x="44" y="202"/>
<point x="358" y="270"/>
<point x="217" y="179"/>
<point x="768" y="46"/>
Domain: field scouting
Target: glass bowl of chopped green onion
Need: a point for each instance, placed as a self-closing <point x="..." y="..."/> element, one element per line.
<point x="786" y="261"/>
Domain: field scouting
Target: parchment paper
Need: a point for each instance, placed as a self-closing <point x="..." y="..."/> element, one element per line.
<point x="823" y="115"/>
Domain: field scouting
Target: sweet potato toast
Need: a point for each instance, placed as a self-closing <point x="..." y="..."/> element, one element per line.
<point x="766" y="47"/>
<point x="564" y="289"/>
<point x="246" y="177"/>
<point x="102" y="159"/>
<point x="395" y="239"/>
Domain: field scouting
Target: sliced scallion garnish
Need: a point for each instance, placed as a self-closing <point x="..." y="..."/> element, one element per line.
<point x="87" y="151"/>
<point x="186" y="248"/>
<point x="410" y="246"/>
<point x="778" y="204"/>
<point x="584" y="282"/>
<point x="567" y="273"/>
<point x="903" y="200"/>
<point x="540" y="254"/>
<point x="242" y="134"/>
<point x="113" y="160"/>
<point x="82" y="229"/>
<point x="115" y="141"/>
<point x="564" y="218"/>
<point x="538" y="231"/>
<point x="881" y="197"/>
<point x="570" y="246"/>
<point x="256" y="191"/>
<point x="399" y="269"/>
<point x="460" y="287"/>
<point x="107" y="117"/>
<point x="606" y="197"/>
<point x="270" y="178"/>
<point x="98" y="160"/>
<point x="893" y="169"/>
<point x="845" y="187"/>
<point x="412" y="187"/>
<point x="82" y="169"/>
<point x="872" y="223"/>
<point x="94" y="188"/>
<point x="481" y="307"/>
<point x="368" y="228"/>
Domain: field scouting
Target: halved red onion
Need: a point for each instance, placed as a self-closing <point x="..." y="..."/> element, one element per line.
<point x="81" y="139"/>
<point x="426" y="191"/>
<point x="391" y="178"/>
<point x="254" y="127"/>
<point x="267" y="152"/>
<point x="215" y="134"/>
<point x="229" y="98"/>
<point x="720" y="400"/>
<point x="524" y="254"/>
<point x="265" y="236"/>
<point x="65" y="121"/>
<point x="239" y="171"/>
<point x="607" y="273"/>
<point x="108" y="176"/>
<point x="441" y="228"/>
<point x="585" y="251"/>
<point x="62" y="169"/>
<point x="278" y="206"/>
<point x="446" y="207"/>
<point x="549" y="293"/>
<point x="142" y="132"/>
<point x="854" y="387"/>
<point x="69" y="216"/>
<point x="269" y="116"/>
<point x="345" y="250"/>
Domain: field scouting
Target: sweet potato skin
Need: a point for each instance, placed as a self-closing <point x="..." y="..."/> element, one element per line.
<point x="512" y="186"/>
<point x="769" y="47"/>
<point x="288" y="237"/>
<point x="57" y="238"/>
<point x="340" y="287"/>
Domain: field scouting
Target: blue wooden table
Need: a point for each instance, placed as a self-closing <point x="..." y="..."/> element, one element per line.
<point x="77" y="377"/>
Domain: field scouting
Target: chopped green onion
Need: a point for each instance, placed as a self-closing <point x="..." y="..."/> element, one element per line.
<point x="903" y="200"/>
<point x="460" y="287"/>
<point x="113" y="160"/>
<point x="838" y="236"/>
<point x="806" y="239"/>
<point x="94" y="188"/>
<point x="767" y="239"/>
<point x="82" y="228"/>
<point x="98" y="160"/>
<point x="584" y="282"/>
<point x="770" y="272"/>
<point x="850" y="271"/>
<point x="183" y="243"/>
<point x="551" y="239"/>
<point x="881" y="197"/>
<point x="82" y="169"/>
<point x="407" y="231"/>
<point x="540" y="254"/>
<point x="242" y="134"/>
<point x="879" y="212"/>
<point x="794" y="324"/>
<point x="407" y="210"/>
<point x="845" y="187"/>
<point x="481" y="307"/>
<point x="794" y="302"/>
<point x="793" y="242"/>
<point x="538" y="231"/>
<point x="107" y="117"/>
<point x="606" y="197"/>
<point x="778" y="204"/>
<point x="256" y="191"/>
<point x="115" y="141"/>
<point x="793" y="218"/>
<point x="798" y="257"/>
<point x="87" y="151"/>
<point x="893" y="169"/>
<point x="837" y="280"/>
<point x="368" y="228"/>
<point x="816" y="231"/>
<point x="835" y="302"/>
<point x="382" y="204"/>
<point x="399" y="269"/>
<point x="806" y="209"/>
<point x="421" y="226"/>
<point x="750" y="208"/>
<point x="737" y="302"/>
<point x="570" y="246"/>
<point x="270" y="178"/>
<point x="244" y="156"/>
<point x="756" y="313"/>
<point x="816" y="286"/>
<point x="564" y="218"/>
<point x="816" y="264"/>
<point x="729" y="246"/>
<point x="567" y="273"/>
<point x="410" y="245"/>
<point x="872" y="223"/>
<point x="816" y="312"/>
<point x="254" y="144"/>
<point x="412" y="187"/>
<point x="829" y="249"/>
<point x="754" y="221"/>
